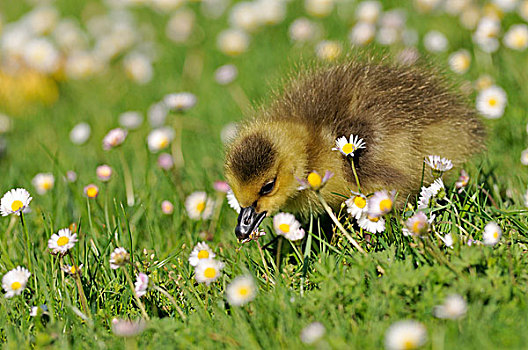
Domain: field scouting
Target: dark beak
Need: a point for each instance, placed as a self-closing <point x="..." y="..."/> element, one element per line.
<point x="248" y="221"/>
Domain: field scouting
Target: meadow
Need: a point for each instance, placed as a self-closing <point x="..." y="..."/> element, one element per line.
<point x="72" y="71"/>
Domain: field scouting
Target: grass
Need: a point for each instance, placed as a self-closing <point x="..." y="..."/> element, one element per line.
<point x="356" y="297"/>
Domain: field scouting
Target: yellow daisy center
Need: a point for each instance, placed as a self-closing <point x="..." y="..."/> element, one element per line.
<point x="417" y="226"/>
<point x="203" y="254"/>
<point x="62" y="241"/>
<point x="348" y="148"/>
<point x="409" y="344"/>
<point x="91" y="192"/>
<point x="16" y="285"/>
<point x="164" y="142"/>
<point x="373" y="219"/>
<point x="200" y="206"/>
<point x="210" y="272"/>
<point x="520" y="40"/>
<point x="314" y="179"/>
<point x="495" y="235"/>
<point x="385" y="204"/>
<point x="46" y="185"/>
<point x="284" y="227"/>
<point x="73" y="270"/>
<point x="360" y="202"/>
<point x="16" y="205"/>
<point x="492" y="101"/>
<point x="243" y="291"/>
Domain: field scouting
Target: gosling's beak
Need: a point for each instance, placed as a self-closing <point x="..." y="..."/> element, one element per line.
<point x="248" y="220"/>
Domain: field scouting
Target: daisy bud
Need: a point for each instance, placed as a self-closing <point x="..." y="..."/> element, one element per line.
<point x="91" y="191"/>
<point x="167" y="207"/>
<point x="462" y="180"/>
<point x="103" y="172"/>
<point x="119" y="257"/>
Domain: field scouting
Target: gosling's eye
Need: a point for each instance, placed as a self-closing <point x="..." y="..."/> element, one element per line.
<point x="267" y="188"/>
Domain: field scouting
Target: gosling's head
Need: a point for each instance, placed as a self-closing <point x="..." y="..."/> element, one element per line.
<point x="261" y="167"/>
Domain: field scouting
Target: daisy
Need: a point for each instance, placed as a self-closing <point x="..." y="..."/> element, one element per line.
<point x="438" y="165"/>
<point x="314" y="180"/>
<point x="226" y="74"/>
<point x="241" y="290"/>
<point x="232" y="42"/>
<point x="491" y="102"/>
<point x="199" y="206"/>
<point x="103" y="172"/>
<point x="142" y="283"/>
<point x="228" y="132"/>
<point x="14" y="201"/>
<point x="462" y="181"/>
<point x="130" y="120"/>
<point x="180" y="101"/>
<point x="221" y="186"/>
<point x="435" y="41"/>
<point x="138" y="67"/>
<point x="368" y="11"/>
<point x="454" y="307"/>
<point x="319" y="8"/>
<point x="448" y="240"/>
<point x="114" y="138"/>
<point x="286" y="225"/>
<point x="516" y="37"/>
<point x="200" y="251"/>
<point x="43" y="182"/>
<point x="157" y="113"/>
<point x="357" y="205"/>
<point x="405" y="335"/>
<point x="348" y="147"/>
<point x="417" y="224"/>
<point x="427" y="194"/>
<point x="460" y="61"/>
<point x="232" y="201"/>
<point x="380" y="203"/>
<point x="62" y="241"/>
<point x="328" y="50"/>
<point x="485" y="36"/>
<point x="492" y="234"/>
<point x="483" y="82"/>
<point x="119" y="257"/>
<point x="208" y="270"/>
<point x="362" y="33"/>
<point x="167" y="207"/>
<point x="91" y="191"/>
<point x="14" y="282"/>
<point x="180" y="26"/>
<point x="302" y="30"/>
<point x="37" y="311"/>
<point x="165" y="161"/>
<point x="42" y="55"/>
<point x="312" y="332"/>
<point x="371" y="224"/>
<point x="159" y="139"/>
<point x="126" y="328"/>
<point x="80" y="133"/>
<point x="244" y="16"/>
<point x="71" y="269"/>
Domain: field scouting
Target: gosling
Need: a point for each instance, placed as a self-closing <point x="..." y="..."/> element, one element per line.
<point x="403" y="114"/>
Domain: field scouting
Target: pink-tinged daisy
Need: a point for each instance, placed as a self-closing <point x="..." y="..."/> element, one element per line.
<point x="91" y="191"/>
<point x="381" y="203"/>
<point x="62" y="241"/>
<point x="119" y="257"/>
<point x="126" y="328"/>
<point x="417" y="225"/>
<point x="114" y="138"/>
<point x="314" y="181"/>
<point x="200" y="251"/>
<point x="103" y="172"/>
<point x="348" y="147"/>
<point x="462" y="181"/>
<point x="286" y="225"/>
<point x="141" y="285"/>
<point x="14" y="201"/>
<point x="167" y="207"/>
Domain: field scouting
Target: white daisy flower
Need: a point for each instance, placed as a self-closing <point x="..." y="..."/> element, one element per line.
<point x="368" y="11"/>
<point x="241" y="290"/>
<point x="328" y="50"/>
<point x="14" y="282"/>
<point x="159" y="139"/>
<point x="371" y="224"/>
<point x="492" y="234"/>
<point x="302" y="30"/>
<point x="71" y="269"/>
<point x="80" y="133"/>
<point x="357" y="205"/>
<point x="42" y="55"/>
<point x="180" y="26"/>
<point x="319" y="8"/>
<point x="138" y="67"/>
<point x="491" y="102"/>
<point x="208" y="270"/>
<point x="286" y="225"/>
<point x="348" y="147"/>
<point x="127" y="328"/>
<point x="43" y="182"/>
<point x="418" y="224"/>
<point x="428" y="193"/>
<point x="167" y="207"/>
<point x="244" y="16"/>
<point x="225" y="74"/>
<point x="404" y="335"/>
<point x="438" y="165"/>
<point x="130" y="120"/>
<point x="314" y="181"/>
<point x="448" y="240"/>
<point x="524" y="157"/>
<point x="486" y="35"/>
<point x="483" y="82"/>
<point x="228" y="132"/>
<point x="362" y="33"/>
<point x="380" y="203"/>
<point x="462" y="181"/>
<point x="180" y="101"/>
<point x="199" y="206"/>
<point x="103" y="172"/>
<point x="435" y="41"/>
<point x="312" y="332"/>
<point x="114" y="138"/>
<point x="14" y="201"/>
<point x="37" y="311"/>
<point x="142" y="284"/>
<point x="232" y="42"/>
<point x="119" y="257"/>
<point x="232" y="201"/>
<point x="200" y="251"/>
<point x="62" y="241"/>
<point x="516" y="37"/>
<point x="454" y="307"/>
<point x="460" y="61"/>
<point x="157" y="113"/>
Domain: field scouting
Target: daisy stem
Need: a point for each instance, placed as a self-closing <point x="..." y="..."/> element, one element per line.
<point x="268" y="276"/>
<point x="355" y="174"/>
<point x="338" y="224"/>
<point x="172" y="300"/>
<point x="84" y="303"/>
<point x="129" y="186"/>
<point x="138" y="301"/>
<point x="277" y="259"/>
<point x="26" y="234"/>
<point x="177" y="153"/>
